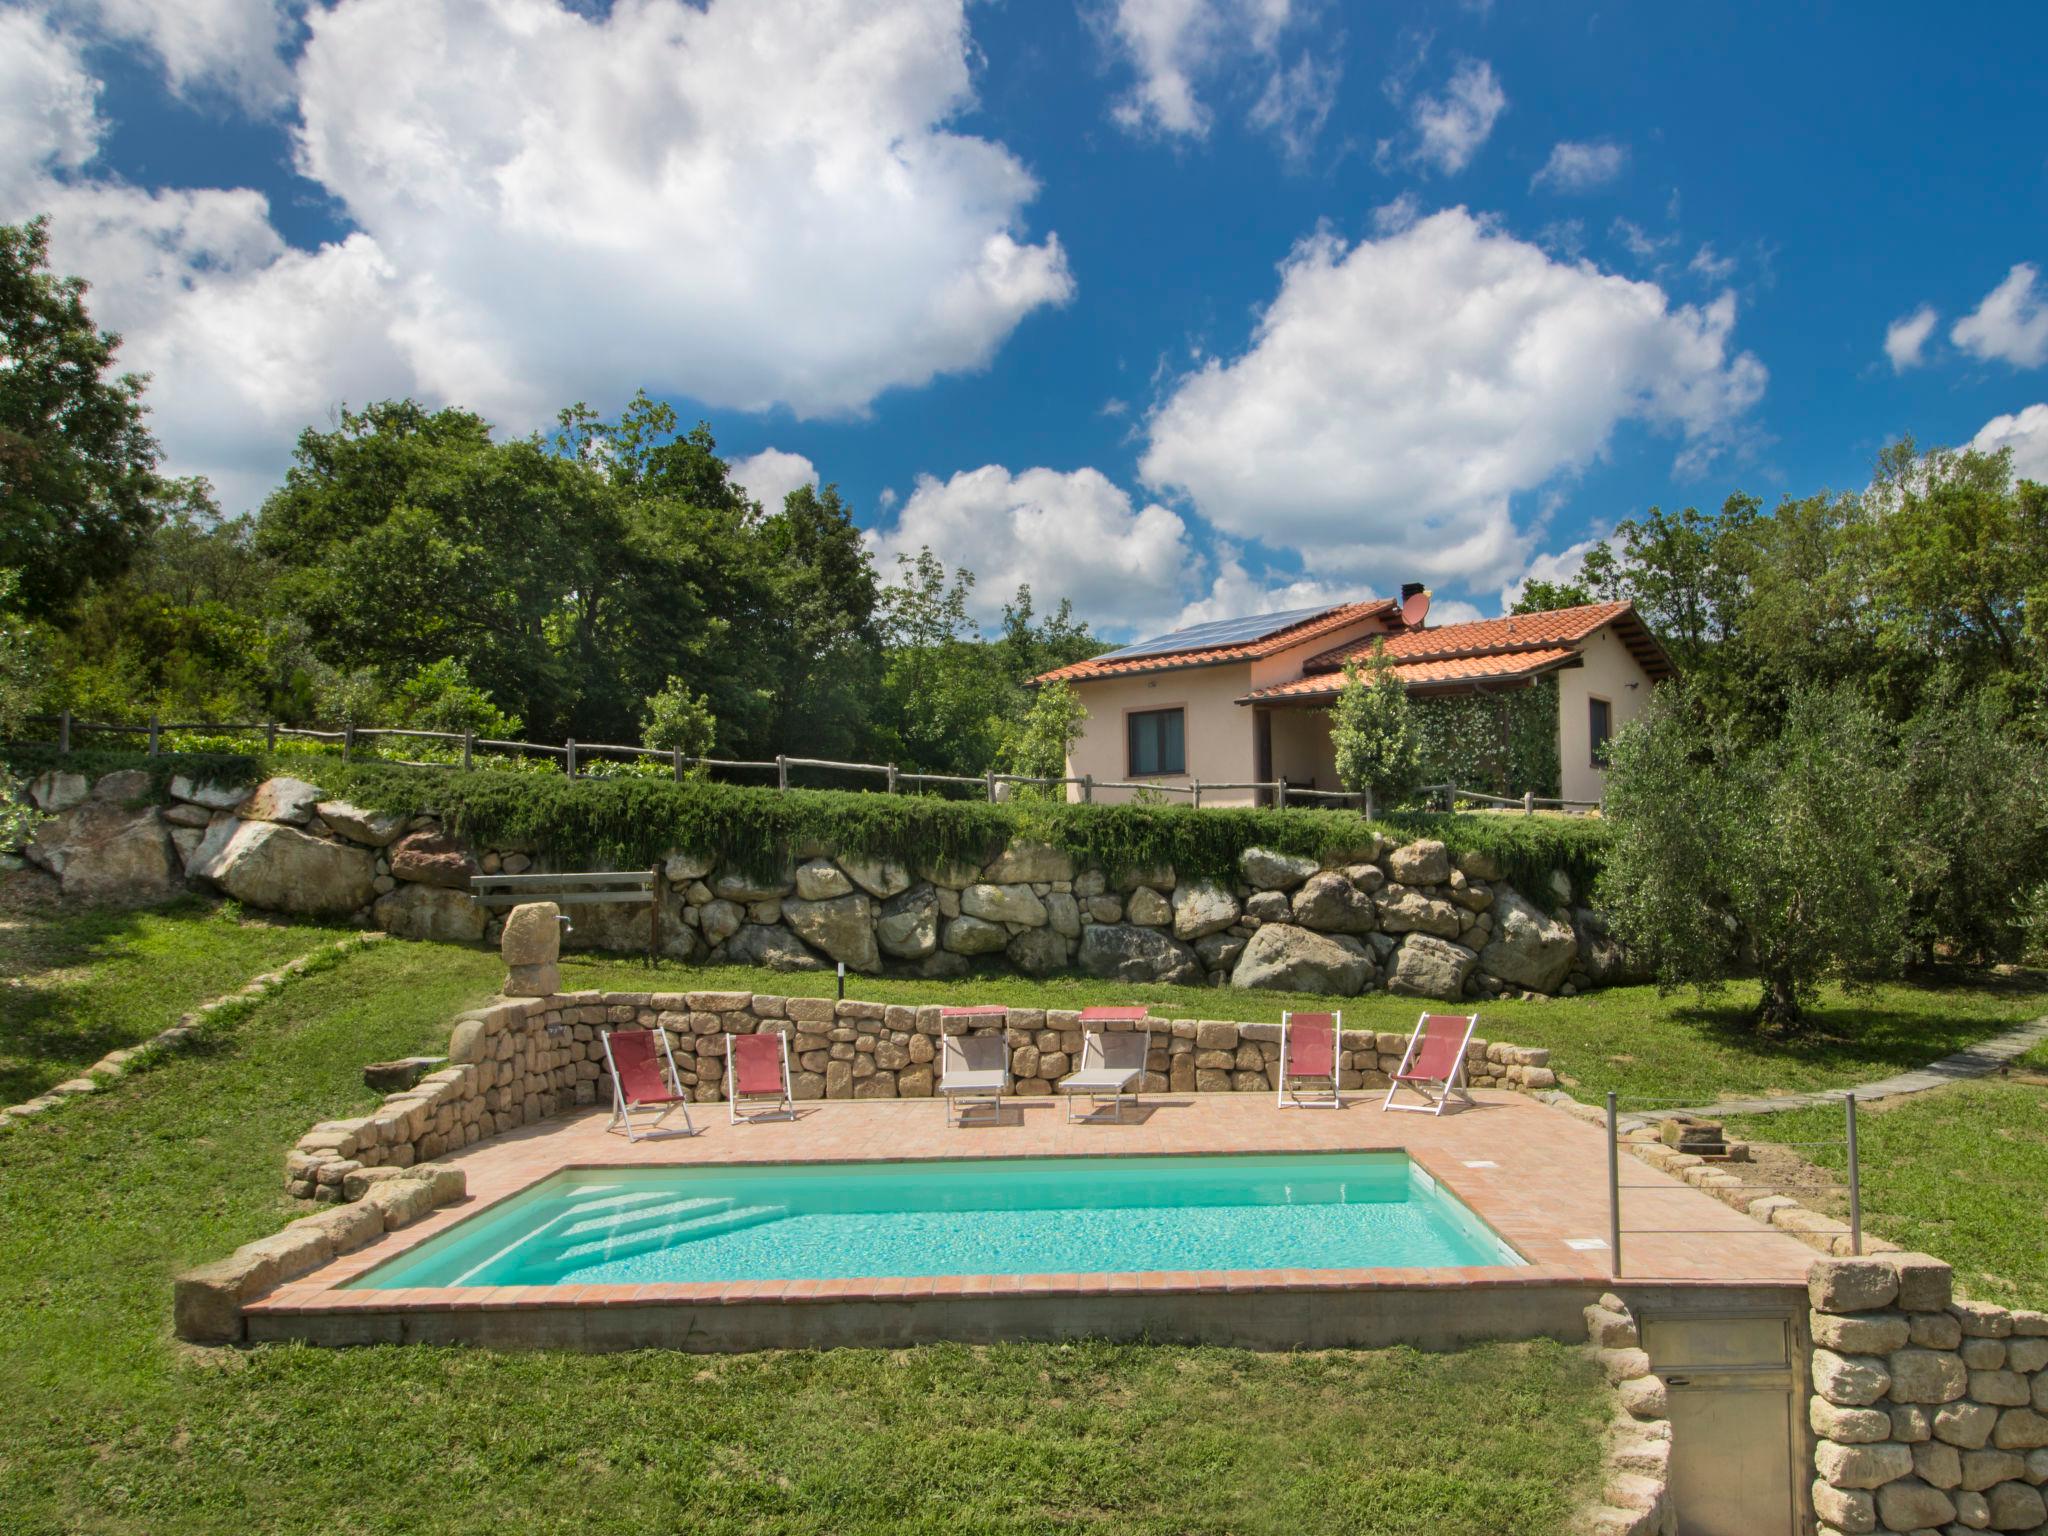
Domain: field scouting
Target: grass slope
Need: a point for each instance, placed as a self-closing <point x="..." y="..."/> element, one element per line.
<point x="1960" y="1172"/>
<point x="110" y="1427"/>
<point x="1624" y="1038"/>
<point x="92" y="982"/>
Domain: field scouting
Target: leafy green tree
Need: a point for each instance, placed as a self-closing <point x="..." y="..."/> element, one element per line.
<point x="1544" y="596"/>
<point x="78" y="465"/>
<point x="678" y="720"/>
<point x="1772" y="858"/>
<point x="821" y="643"/>
<point x="1373" y="729"/>
<point x="21" y="675"/>
<point x="1039" y="744"/>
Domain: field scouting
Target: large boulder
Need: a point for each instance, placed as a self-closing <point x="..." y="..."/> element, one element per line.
<point x="720" y="920"/>
<point x="124" y="786"/>
<point x="214" y="796"/>
<point x="1426" y="862"/>
<point x="270" y="865"/>
<point x="1025" y="861"/>
<point x="908" y="928"/>
<point x="1329" y="903"/>
<point x="843" y="927"/>
<point x="1122" y="952"/>
<point x="745" y="888"/>
<point x="1003" y="904"/>
<point x="59" y="791"/>
<point x="775" y="947"/>
<point x="1147" y="908"/>
<point x="373" y="829"/>
<point x="1601" y="956"/>
<point x="966" y="935"/>
<point x="103" y="852"/>
<point x="821" y="880"/>
<point x="1038" y="952"/>
<point x="880" y="878"/>
<point x="1265" y="870"/>
<point x="1287" y="958"/>
<point x="1402" y="910"/>
<point x="1063" y="914"/>
<point x="533" y="934"/>
<point x="1426" y="966"/>
<point x="1202" y="908"/>
<point x="1529" y="948"/>
<point x="283" y="799"/>
<point x="432" y="858"/>
<point x="430" y="912"/>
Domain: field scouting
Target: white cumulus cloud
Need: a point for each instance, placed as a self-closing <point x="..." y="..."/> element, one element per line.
<point x="770" y="475"/>
<point x="1563" y="566"/>
<point x="2011" y="325"/>
<point x="1905" y="339"/>
<point x="1068" y="533"/>
<point x="752" y="202"/>
<point x="1178" y="48"/>
<point x="1451" y="127"/>
<point x="2025" y="432"/>
<point x="1580" y="167"/>
<point x="1399" y="392"/>
<point x="233" y="47"/>
<point x="49" y="104"/>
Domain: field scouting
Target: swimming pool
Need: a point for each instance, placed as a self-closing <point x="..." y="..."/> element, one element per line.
<point x="982" y="1216"/>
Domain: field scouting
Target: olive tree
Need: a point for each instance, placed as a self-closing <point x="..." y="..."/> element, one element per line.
<point x="1775" y="859"/>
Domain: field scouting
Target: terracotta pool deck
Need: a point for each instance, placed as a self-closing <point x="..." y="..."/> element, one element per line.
<point x="1535" y="1175"/>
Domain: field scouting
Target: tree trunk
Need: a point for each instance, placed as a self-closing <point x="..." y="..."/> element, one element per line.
<point x="1779" y="1012"/>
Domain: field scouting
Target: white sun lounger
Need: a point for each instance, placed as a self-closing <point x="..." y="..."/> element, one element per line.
<point x="974" y="1073"/>
<point x="1112" y="1068"/>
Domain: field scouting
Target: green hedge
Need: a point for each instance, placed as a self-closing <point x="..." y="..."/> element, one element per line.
<point x="629" y="822"/>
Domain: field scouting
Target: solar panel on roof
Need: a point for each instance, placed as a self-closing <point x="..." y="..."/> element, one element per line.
<point x="1201" y="637"/>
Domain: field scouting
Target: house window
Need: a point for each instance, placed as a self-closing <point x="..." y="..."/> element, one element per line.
<point x="1158" y="741"/>
<point x="1602" y="722"/>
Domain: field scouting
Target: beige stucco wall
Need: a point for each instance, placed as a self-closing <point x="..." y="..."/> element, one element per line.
<point x="1221" y="733"/>
<point x="1302" y="753"/>
<point x="1610" y="673"/>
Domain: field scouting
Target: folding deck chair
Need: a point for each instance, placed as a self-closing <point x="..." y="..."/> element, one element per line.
<point x="1112" y="1061"/>
<point x="1308" y="1061"/>
<point x="644" y="1077"/>
<point x="974" y="1073"/>
<point x="1433" y="1066"/>
<point x="757" y="1069"/>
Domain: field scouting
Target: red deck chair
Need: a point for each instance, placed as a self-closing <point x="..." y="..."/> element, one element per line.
<point x="1434" y="1063"/>
<point x="1114" y="1015"/>
<point x="644" y="1078"/>
<point x="1308" y="1061"/>
<point x="757" y="1069"/>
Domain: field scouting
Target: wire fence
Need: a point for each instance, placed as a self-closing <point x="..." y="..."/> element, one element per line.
<point x="466" y="750"/>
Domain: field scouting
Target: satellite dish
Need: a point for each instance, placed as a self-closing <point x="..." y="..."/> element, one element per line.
<point x="1414" y="609"/>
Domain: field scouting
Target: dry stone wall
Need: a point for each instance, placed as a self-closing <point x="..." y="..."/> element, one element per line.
<point x="1411" y="920"/>
<point x="522" y="1060"/>
<point x="1931" y="1413"/>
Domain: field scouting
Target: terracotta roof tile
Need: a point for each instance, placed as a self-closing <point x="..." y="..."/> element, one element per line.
<point x="1295" y="634"/>
<point x="1480" y="637"/>
<point x="1427" y="673"/>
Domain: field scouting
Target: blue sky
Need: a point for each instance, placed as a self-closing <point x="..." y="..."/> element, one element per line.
<point x="1182" y="308"/>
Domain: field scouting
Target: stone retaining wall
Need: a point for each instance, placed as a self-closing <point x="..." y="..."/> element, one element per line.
<point x="1635" y="1486"/>
<point x="1412" y="920"/>
<point x="522" y="1060"/>
<point x="1931" y="1413"/>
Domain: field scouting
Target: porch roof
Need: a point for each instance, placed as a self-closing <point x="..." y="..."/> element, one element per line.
<point x="1447" y="672"/>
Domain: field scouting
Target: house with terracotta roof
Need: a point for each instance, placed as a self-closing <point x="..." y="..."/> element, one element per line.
<point x="1242" y="702"/>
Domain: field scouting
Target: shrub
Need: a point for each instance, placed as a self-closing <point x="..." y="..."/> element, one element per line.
<point x="1372" y="728"/>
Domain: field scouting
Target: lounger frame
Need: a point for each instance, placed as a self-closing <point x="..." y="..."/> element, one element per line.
<point x="622" y="1111"/>
<point x="1093" y="1058"/>
<point x="1435" y="1092"/>
<point x="1313" y="1098"/>
<point x="961" y="1099"/>
<point x="782" y="1106"/>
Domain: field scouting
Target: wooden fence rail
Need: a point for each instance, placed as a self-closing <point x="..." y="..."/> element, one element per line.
<point x="571" y="753"/>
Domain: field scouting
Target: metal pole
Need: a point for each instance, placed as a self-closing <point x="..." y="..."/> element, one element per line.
<point x="1855" y="1183"/>
<point x="654" y="879"/>
<point x="1613" y="1188"/>
<point x="1198" y="794"/>
<point x="270" y="736"/>
<point x="990" y="779"/>
<point x="842" y="981"/>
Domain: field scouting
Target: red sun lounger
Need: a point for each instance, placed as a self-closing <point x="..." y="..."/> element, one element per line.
<point x="643" y="1079"/>
<point x="757" y="1072"/>
<point x="1308" y="1061"/>
<point x="1433" y="1066"/>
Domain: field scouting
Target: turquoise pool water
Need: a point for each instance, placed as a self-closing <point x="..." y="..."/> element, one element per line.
<point x="986" y="1216"/>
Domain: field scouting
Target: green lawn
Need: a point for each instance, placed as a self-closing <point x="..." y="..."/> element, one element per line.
<point x="74" y="988"/>
<point x="1960" y="1172"/>
<point x="1624" y="1038"/>
<point x="110" y="1427"/>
